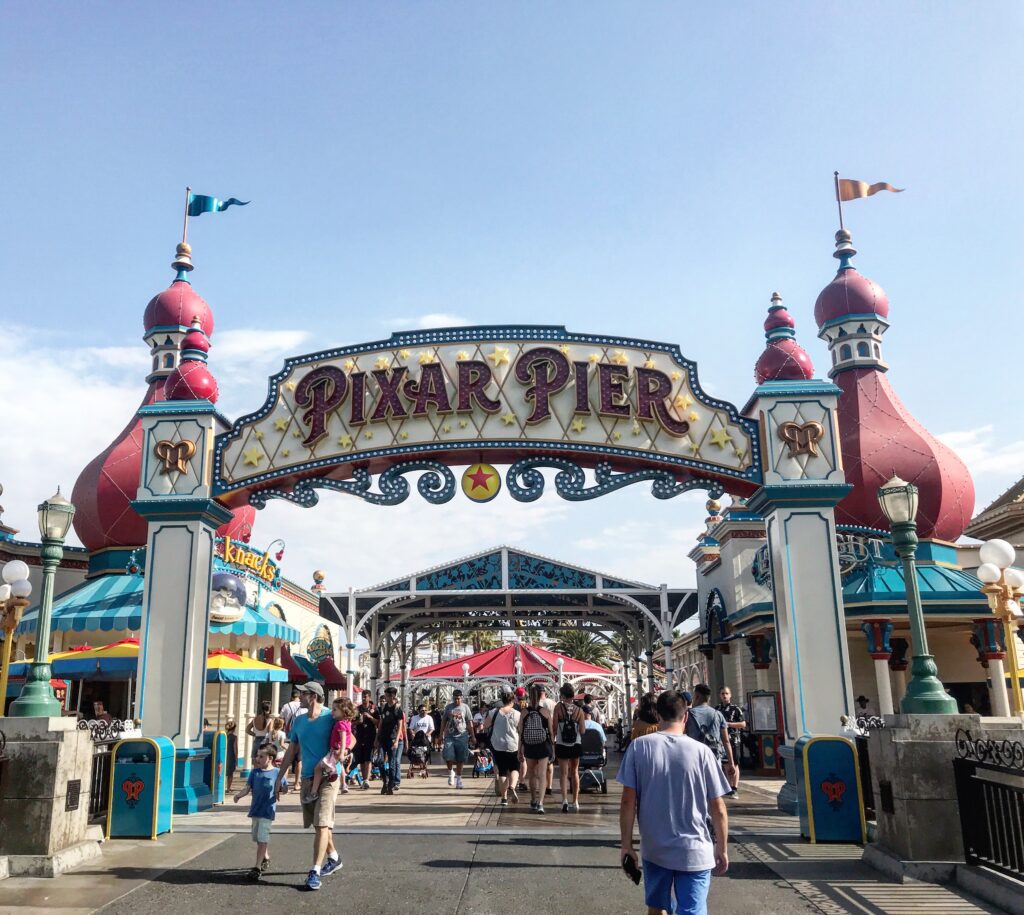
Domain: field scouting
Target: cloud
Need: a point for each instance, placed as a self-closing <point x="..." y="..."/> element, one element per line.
<point x="994" y="461"/>
<point x="424" y="322"/>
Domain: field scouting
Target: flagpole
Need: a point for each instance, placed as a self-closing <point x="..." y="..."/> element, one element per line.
<point x="188" y="194"/>
<point x="839" y="201"/>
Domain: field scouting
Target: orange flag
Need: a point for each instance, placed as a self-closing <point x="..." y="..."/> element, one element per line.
<point x="848" y="189"/>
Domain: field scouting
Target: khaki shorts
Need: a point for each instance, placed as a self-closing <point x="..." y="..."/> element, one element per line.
<point x="261" y="829"/>
<point x="321" y="812"/>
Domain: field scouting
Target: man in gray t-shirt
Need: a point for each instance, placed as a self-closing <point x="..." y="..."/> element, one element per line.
<point x="673" y="785"/>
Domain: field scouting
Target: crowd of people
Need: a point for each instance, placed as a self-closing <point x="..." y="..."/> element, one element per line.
<point x="681" y="760"/>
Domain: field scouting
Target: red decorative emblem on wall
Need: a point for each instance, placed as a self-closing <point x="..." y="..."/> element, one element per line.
<point x="834" y="788"/>
<point x="132" y="788"/>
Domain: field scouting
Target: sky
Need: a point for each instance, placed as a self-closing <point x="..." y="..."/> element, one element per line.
<point x="649" y="170"/>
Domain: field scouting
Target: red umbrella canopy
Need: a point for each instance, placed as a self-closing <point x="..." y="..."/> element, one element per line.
<point x="501" y="662"/>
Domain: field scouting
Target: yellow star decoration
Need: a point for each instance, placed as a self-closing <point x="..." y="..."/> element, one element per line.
<point x="403" y="435"/>
<point x="619" y="357"/>
<point x="694" y="416"/>
<point x="682" y="401"/>
<point x="290" y="385"/>
<point x="461" y="356"/>
<point x="676" y="376"/>
<point x="345" y="441"/>
<point x="595" y="357"/>
<point x="739" y="453"/>
<point x="693" y="446"/>
<point x="427" y="358"/>
<point x="382" y="362"/>
<point x="280" y="424"/>
<point x="564" y="349"/>
<point x="296" y="434"/>
<point x="463" y="423"/>
<point x="616" y="435"/>
<point x="350" y="364"/>
<point x="636" y="429"/>
<point x="253" y="456"/>
<point x="578" y="425"/>
<point x="446" y="428"/>
<point x="499" y="356"/>
<point x="720" y="437"/>
<point x="650" y="364"/>
<point x="285" y="453"/>
<point x="508" y="418"/>
<point x="259" y="435"/>
<point x="368" y="434"/>
<point x="404" y="354"/>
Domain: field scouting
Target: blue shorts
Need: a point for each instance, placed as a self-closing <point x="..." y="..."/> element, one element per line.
<point x="691" y="889"/>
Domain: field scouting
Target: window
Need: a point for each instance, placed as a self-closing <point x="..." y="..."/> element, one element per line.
<point x="845" y="352"/>
<point x="169" y="361"/>
<point x="863" y="349"/>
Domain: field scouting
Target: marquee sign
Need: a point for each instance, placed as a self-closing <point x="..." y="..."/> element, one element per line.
<point x="531" y="397"/>
<point x="242" y="559"/>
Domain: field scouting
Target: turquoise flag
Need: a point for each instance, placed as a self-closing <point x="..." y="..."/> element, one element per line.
<point x="199" y="204"/>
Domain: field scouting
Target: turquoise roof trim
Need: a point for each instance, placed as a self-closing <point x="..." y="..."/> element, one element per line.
<point x="942" y="589"/>
<point x="112" y="603"/>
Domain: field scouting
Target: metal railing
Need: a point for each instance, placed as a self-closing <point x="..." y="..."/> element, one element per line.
<point x="989" y="778"/>
<point x="104" y="735"/>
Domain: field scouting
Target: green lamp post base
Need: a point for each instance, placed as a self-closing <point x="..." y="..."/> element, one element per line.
<point x="36" y="699"/>
<point x="925" y="694"/>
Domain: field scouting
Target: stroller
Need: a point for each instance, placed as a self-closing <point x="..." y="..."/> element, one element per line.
<point x="592" y="762"/>
<point x="419" y="755"/>
<point x="483" y="763"/>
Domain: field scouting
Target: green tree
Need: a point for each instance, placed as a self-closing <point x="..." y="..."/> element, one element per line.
<point x="477" y="639"/>
<point x="583" y="646"/>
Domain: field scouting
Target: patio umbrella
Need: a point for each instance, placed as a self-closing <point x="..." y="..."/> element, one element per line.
<point x="223" y="666"/>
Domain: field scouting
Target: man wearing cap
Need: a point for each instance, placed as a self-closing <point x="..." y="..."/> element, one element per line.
<point x="456" y="738"/>
<point x="311" y="735"/>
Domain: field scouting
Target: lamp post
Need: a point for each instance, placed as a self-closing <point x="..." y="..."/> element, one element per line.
<point x="37" y="699"/>
<point x="925" y="693"/>
<point x="1003" y="588"/>
<point x="14" y="593"/>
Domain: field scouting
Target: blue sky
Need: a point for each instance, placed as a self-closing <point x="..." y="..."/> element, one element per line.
<point x="652" y="170"/>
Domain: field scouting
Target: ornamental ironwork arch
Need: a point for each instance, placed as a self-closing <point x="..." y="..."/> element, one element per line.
<point x="602" y="412"/>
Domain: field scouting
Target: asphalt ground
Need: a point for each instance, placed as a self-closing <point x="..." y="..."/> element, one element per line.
<point x="436" y="875"/>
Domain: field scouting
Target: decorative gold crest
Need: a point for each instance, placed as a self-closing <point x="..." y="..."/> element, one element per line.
<point x="175" y="455"/>
<point x="802" y="439"/>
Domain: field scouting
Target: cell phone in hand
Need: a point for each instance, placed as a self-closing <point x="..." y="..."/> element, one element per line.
<point x="632" y="871"/>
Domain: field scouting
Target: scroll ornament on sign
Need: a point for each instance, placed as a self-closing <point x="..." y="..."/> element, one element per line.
<point x="175" y="455"/>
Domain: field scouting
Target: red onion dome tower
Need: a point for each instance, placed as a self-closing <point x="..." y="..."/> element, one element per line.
<point x="104" y="518"/>
<point x="879" y="437"/>
<point x="783" y="358"/>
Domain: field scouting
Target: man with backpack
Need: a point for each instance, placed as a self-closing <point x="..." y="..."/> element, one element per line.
<point x="708" y="726"/>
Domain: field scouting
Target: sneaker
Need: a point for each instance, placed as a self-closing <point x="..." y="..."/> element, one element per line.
<point x="313" y="881"/>
<point x="504" y="802"/>
<point x="540" y="808"/>
<point x="575" y="808"/>
<point x="264" y="865"/>
<point x="451" y="778"/>
<point x="548" y="792"/>
<point x="514" y="795"/>
<point x="565" y="806"/>
<point x="458" y="783"/>
<point x="330" y="866"/>
<point x="344" y="789"/>
<point x="533" y="806"/>
<point x="255" y="874"/>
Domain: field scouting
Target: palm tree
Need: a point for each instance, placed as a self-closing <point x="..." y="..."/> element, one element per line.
<point x="477" y="639"/>
<point x="583" y="646"/>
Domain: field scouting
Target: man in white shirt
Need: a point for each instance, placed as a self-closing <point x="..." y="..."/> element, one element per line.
<point x="421" y="721"/>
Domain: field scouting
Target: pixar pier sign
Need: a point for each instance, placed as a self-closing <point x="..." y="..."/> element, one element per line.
<point x="466" y="394"/>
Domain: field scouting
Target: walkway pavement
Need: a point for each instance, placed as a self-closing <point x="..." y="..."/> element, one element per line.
<point x="445" y="851"/>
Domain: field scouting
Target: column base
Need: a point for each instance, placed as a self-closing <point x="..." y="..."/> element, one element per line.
<point x="191" y="792"/>
<point x="56" y="864"/>
<point x="789" y="799"/>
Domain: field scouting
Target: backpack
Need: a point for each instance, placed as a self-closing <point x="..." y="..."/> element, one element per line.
<point x="709" y="736"/>
<point x="389" y="720"/>
<point x="569" y="730"/>
<point x="535" y="729"/>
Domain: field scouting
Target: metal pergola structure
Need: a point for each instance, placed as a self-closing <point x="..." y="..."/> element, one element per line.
<point x="508" y="588"/>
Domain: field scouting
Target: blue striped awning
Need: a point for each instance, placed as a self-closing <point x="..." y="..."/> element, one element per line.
<point x="114" y="603"/>
<point x="110" y="602"/>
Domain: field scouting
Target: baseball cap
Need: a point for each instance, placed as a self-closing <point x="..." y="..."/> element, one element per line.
<point x="457" y="692"/>
<point x="520" y="692"/>
<point x="312" y="687"/>
<point x="687" y="695"/>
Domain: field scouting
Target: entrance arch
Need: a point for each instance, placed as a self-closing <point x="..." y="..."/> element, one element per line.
<point x="602" y="412"/>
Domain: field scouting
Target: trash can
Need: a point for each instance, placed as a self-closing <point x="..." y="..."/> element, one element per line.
<point x="214" y="768"/>
<point x="832" y="802"/>
<point x="141" y="788"/>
